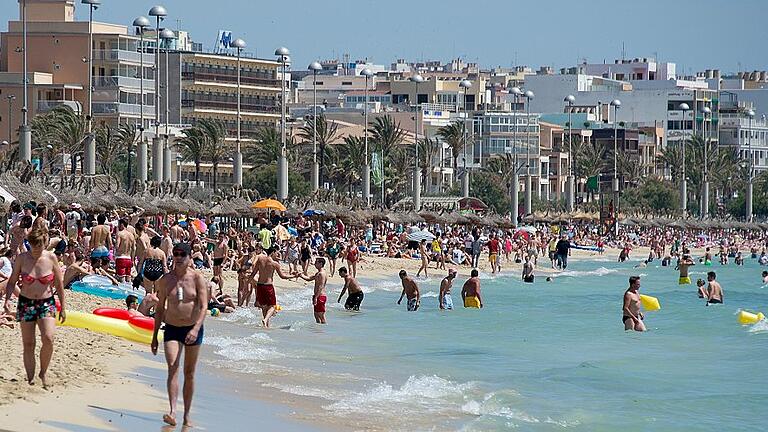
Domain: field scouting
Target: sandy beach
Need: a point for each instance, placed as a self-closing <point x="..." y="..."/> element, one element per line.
<point x="87" y="367"/>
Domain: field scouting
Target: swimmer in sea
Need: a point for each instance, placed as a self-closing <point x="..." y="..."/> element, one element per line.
<point x="410" y="291"/>
<point x="444" y="297"/>
<point x="683" y="266"/>
<point x="632" y="317"/>
<point x="765" y="277"/>
<point x="470" y="292"/>
<point x="702" y="293"/>
<point x="319" y="297"/>
<point x="714" y="290"/>
<point x="355" y="297"/>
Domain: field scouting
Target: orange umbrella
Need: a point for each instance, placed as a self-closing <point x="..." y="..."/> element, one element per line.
<point x="269" y="204"/>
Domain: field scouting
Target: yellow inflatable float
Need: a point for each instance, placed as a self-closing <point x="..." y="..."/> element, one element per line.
<point x="110" y="326"/>
<point x="746" y="318"/>
<point x="649" y="303"/>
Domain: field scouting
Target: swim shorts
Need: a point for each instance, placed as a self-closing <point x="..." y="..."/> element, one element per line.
<point x="353" y="301"/>
<point x="320" y="305"/>
<point x="31" y="310"/>
<point x="217" y="262"/>
<point x="528" y="279"/>
<point x="471" y="302"/>
<point x="100" y="252"/>
<point x="684" y="281"/>
<point x="492" y="258"/>
<point x="715" y="301"/>
<point x="123" y="266"/>
<point x="626" y="317"/>
<point x="179" y="334"/>
<point x="448" y="302"/>
<point x="265" y="294"/>
<point x="413" y="305"/>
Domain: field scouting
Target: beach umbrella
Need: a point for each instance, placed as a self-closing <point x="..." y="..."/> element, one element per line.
<point x="311" y="212"/>
<point x="200" y="225"/>
<point x="528" y="229"/>
<point x="522" y="233"/>
<point x="269" y="204"/>
<point x="418" y="236"/>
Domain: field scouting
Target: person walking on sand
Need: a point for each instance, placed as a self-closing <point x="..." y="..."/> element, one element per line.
<point x="714" y="290"/>
<point x="353" y="256"/>
<point x="470" y="292"/>
<point x="494" y="247"/>
<point x="182" y="305"/>
<point x="266" y="266"/>
<point x="101" y="241"/>
<point x="444" y="297"/>
<point x="40" y="275"/>
<point x="632" y="317"/>
<point x="355" y="297"/>
<point x="319" y="298"/>
<point x="125" y="250"/>
<point x="410" y="291"/>
<point x="424" y="258"/>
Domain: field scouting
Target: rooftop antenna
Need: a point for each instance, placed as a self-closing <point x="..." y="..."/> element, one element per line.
<point x="623" y="52"/>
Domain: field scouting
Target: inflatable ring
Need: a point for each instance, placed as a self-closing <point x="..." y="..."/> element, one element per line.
<point x="121" y="314"/>
<point x="747" y="318"/>
<point x="106" y="325"/>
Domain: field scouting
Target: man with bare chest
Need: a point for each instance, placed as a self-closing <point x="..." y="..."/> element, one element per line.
<point x="125" y="250"/>
<point x="266" y="266"/>
<point x="182" y="306"/>
<point x="319" y="297"/>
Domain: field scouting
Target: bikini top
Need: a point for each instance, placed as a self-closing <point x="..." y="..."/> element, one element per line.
<point x="45" y="280"/>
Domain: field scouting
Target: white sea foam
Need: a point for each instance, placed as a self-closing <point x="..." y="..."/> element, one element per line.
<point x="254" y="347"/>
<point x="424" y="393"/>
<point x="759" y="327"/>
<point x="600" y="271"/>
<point x="295" y="299"/>
<point x="497" y="404"/>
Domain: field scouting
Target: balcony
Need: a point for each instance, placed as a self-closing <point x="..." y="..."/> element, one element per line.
<point x="44" y="106"/>
<point x="115" y="108"/>
<point x="123" y="55"/>
<point x="229" y="106"/>
<point x="121" y="81"/>
<point x="230" y="79"/>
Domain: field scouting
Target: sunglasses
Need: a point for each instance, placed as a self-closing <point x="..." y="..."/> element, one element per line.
<point x="179" y="254"/>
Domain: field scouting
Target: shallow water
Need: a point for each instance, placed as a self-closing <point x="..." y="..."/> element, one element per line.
<point x="547" y="356"/>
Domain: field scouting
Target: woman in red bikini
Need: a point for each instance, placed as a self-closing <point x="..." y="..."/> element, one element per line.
<point x="353" y="256"/>
<point x="39" y="272"/>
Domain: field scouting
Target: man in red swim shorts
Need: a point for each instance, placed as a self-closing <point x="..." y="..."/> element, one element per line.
<point x="125" y="247"/>
<point x="266" y="266"/>
<point x="318" y="298"/>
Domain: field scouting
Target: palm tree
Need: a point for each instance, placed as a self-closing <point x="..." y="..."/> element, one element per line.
<point x="502" y="167"/>
<point x="267" y="149"/>
<point x="67" y="132"/>
<point x="400" y="164"/>
<point x="193" y="147"/>
<point x="428" y="149"/>
<point x="672" y="157"/>
<point x="216" y="148"/>
<point x="455" y="135"/>
<point x="629" y="169"/>
<point x="387" y="135"/>
<point x="327" y="133"/>
<point x="350" y="160"/>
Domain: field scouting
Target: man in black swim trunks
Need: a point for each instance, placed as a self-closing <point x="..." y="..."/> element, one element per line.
<point x="351" y="285"/>
<point x="219" y="254"/>
<point x="182" y="306"/>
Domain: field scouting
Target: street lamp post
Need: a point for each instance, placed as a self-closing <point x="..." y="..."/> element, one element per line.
<point x="282" y="166"/>
<point x="239" y="45"/>
<point x="465" y="84"/>
<point x="315" y="67"/>
<point x="159" y="13"/>
<point x="416" y="79"/>
<point x="528" y="181"/>
<point x="684" y="183"/>
<point x="141" y="23"/>
<point x="616" y="104"/>
<point x="25" y="132"/>
<point x="11" y="98"/>
<point x="750" y="179"/>
<point x="706" y="111"/>
<point x="368" y="74"/>
<point x="569" y="100"/>
<point x="516" y="92"/>
<point x="90" y="142"/>
<point x="167" y="35"/>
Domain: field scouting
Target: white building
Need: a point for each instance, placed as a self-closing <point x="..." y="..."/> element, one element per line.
<point x="639" y="69"/>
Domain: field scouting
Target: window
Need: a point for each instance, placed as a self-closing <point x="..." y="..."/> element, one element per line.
<point x="346" y="83"/>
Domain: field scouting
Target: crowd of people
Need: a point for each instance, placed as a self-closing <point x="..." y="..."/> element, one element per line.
<point x="46" y="251"/>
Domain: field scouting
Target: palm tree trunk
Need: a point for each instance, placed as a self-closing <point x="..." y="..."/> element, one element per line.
<point x="320" y="176"/>
<point x="215" y="172"/>
<point x="197" y="172"/>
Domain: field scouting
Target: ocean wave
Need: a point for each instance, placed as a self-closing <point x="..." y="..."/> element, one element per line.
<point x="254" y="347"/>
<point x="759" y="327"/>
<point x="600" y="271"/>
<point x="497" y="404"/>
<point x="424" y="393"/>
<point x="295" y="299"/>
<point x="243" y="315"/>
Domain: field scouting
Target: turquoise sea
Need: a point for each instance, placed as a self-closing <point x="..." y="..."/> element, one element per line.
<point x="544" y="357"/>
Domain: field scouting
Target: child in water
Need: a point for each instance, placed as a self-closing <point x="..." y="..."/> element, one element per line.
<point x="700" y="285"/>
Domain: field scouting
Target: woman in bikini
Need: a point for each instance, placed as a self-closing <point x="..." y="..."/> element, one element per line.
<point x="353" y="256"/>
<point x="39" y="273"/>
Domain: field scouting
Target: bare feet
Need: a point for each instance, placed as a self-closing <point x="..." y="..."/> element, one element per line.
<point x="169" y="419"/>
<point x="42" y="378"/>
<point x="187" y="423"/>
<point x="264" y="323"/>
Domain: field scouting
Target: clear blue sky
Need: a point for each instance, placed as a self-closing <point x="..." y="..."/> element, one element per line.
<point x="696" y="34"/>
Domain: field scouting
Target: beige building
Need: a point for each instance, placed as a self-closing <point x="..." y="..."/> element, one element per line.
<point x="441" y="89"/>
<point x="57" y="60"/>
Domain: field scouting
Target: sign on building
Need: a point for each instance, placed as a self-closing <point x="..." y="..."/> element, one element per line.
<point x="223" y="40"/>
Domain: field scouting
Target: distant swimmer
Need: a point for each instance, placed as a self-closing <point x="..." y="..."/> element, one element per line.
<point x="714" y="290"/>
<point x="410" y="291"/>
<point x="708" y="256"/>
<point x="470" y="292"/>
<point x="683" y="266"/>
<point x="701" y="291"/>
<point x="528" y="275"/>
<point x="632" y="317"/>
<point x="444" y="298"/>
<point x="319" y="297"/>
<point x="765" y="277"/>
<point x="355" y="297"/>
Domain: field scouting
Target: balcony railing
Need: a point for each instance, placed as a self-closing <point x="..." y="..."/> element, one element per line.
<point x="121" y="108"/>
<point x="228" y="106"/>
<point x="123" y="55"/>
<point x="230" y="79"/>
<point x="121" y="81"/>
<point x="44" y="106"/>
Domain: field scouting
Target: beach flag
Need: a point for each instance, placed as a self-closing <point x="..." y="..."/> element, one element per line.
<point x="377" y="173"/>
